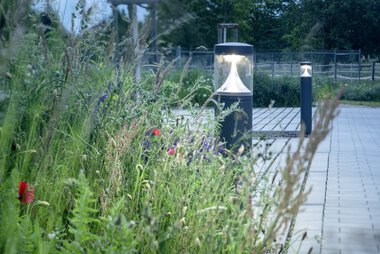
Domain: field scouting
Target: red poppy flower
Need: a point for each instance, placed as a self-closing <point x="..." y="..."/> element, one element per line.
<point x="171" y="151"/>
<point x="156" y="132"/>
<point x="25" y="193"/>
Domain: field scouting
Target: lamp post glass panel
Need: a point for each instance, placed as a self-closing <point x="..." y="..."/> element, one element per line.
<point x="306" y="96"/>
<point x="233" y="82"/>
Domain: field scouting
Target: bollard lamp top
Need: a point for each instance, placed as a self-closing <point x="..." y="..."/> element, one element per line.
<point x="233" y="68"/>
<point x="233" y="83"/>
<point x="306" y="69"/>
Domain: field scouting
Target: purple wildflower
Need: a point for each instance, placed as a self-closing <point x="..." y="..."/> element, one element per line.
<point x="103" y="97"/>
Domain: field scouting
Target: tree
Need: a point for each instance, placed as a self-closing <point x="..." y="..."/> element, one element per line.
<point x="334" y="24"/>
<point x="260" y="21"/>
<point x="274" y="24"/>
<point x="189" y="23"/>
<point x="263" y="24"/>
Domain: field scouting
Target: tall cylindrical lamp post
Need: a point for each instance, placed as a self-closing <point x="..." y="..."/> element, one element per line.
<point x="233" y="83"/>
<point x="306" y="96"/>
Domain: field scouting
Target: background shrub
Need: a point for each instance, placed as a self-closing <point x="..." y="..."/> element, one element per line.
<point x="283" y="91"/>
<point x="187" y="80"/>
<point x="364" y="91"/>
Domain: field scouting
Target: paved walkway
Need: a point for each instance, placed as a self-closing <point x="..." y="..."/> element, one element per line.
<point x="342" y="213"/>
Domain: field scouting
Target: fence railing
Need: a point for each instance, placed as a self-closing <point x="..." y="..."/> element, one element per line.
<point x="338" y="65"/>
<point x="351" y="71"/>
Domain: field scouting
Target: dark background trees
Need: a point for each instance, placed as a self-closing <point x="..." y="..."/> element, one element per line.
<point x="267" y="24"/>
<point x="335" y="24"/>
<point x="274" y="24"/>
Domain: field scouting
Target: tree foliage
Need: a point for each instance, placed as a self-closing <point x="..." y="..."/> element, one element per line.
<point x="335" y="24"/>
<point x="275" y="24"/>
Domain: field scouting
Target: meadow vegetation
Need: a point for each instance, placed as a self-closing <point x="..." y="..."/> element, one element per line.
<point x="96" y="147"/>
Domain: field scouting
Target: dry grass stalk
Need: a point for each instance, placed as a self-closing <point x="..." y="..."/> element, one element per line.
<point x="291" y="189"/>
<point x="327" y="111"/>
<point x="115" y="150"/>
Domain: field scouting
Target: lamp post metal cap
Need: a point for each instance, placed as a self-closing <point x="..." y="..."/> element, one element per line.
<point x="237" y="48"/>
<point x="305" y="63"/>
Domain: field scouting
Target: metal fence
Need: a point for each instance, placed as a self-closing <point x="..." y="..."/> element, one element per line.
<point x="338" y="65"/>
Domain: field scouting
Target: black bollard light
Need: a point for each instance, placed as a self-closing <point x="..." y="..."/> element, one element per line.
<point x="233" y="82"/>
<point x="306" y="96"/>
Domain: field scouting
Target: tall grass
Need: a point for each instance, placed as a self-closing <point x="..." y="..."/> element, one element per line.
<point x="76" y="130"/>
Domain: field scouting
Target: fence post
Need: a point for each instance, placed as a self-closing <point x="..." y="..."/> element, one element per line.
<point x="359" y="63"/>
<point x="178" y="55"/>
<point x="291" y="69"/>
<point x="178" y="52"/>
<point x="373" y="71"/>
<point x="291" y="64"/>
<point x="272" y="66"/>
<point x="335" y="64"/>
<point x="351" y="71"/>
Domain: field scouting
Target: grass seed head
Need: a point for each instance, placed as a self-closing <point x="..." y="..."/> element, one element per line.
<point x="42" y="203"/>
<point x="197" y="242"/>
<point x="241" y="150"/>
<point x="147" y="186"/>
<point x="113" y="143"/>
<point x="154" y="245"/>
<point x="184" y="210"/>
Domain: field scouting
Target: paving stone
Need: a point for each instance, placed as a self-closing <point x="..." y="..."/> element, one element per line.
<point x="343" y="208"/>
<point x="351" y="221"/>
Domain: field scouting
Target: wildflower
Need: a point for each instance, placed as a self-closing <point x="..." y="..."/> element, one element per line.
<point x="25" y="193"/>
<point x="147" y="144"/>
<point x="220" y="150"/>
<point x="103" y="97"/>
<point x="171" y="151"/>
<point x="156" y="132"/>
<point x="206" y="144"/>
<point x="51" y="236"/>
